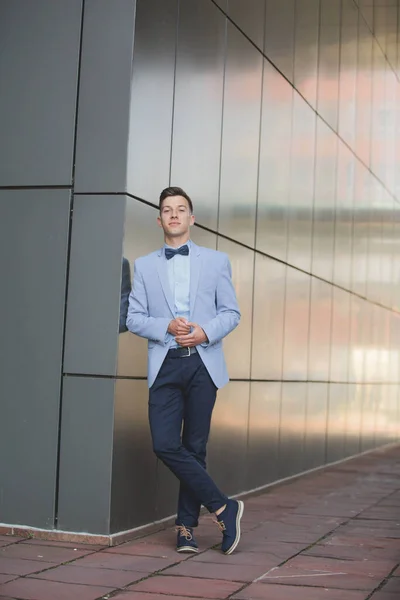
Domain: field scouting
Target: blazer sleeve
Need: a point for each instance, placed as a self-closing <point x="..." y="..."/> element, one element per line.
<point x="228" y="313"/>
<point x="138" y="320"/>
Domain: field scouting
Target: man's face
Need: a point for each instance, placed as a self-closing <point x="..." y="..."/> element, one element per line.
<point x="175" y="217"/>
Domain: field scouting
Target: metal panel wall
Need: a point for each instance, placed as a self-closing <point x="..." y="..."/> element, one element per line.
<point x="273" y="140"/>
<point x="33" y="261"/>
<point x="39" y="63"/>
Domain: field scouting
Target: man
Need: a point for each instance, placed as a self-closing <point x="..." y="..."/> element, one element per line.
<point x="184" y="303"/>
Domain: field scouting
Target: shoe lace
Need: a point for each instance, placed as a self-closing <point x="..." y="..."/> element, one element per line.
<point x="184" y="532"/>
<point x="220" y="524"/>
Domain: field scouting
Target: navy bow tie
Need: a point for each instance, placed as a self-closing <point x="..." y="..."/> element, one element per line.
<point x="169" y="253"/>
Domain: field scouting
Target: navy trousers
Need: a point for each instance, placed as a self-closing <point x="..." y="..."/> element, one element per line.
<point x="184" y="394"/>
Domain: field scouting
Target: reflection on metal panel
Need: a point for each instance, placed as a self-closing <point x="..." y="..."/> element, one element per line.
<point x="150" y="130"/>
<point x="240" y="138"/>
<point x="328" y="61"/>
<point x="228" y="461"/>
<point x="264" y="421"/>
<point x="316" y="418"/>
<point x="306" y="48"/>
<point x="274" y="171"/>
<point x="279" y="35"/>
<point x="312" y="233"/>
<point x="319" y="349"/>
<point x="348" y="71"/>
<point x="134" y="482"/>
<point x="297" y="311"/>
<point x="301" y="185"/>
<point x="268" y="317"/>
<point x="237" y="345"/>
<point x="336" y="421"/>
<point x="324" y="202"/>
<point x="249" y="16"/>
<point x="292" y="429"/>
<point x="199" y="80"/>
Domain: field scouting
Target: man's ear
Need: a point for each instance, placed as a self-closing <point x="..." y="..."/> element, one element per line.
<point x="159" y="221"/>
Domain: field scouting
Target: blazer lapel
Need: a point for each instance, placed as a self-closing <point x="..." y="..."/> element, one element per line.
<point x="163" y="276"/>
<point x="195" y="267"/>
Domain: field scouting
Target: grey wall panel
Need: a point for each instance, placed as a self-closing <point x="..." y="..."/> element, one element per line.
<point x="134" y="466"/>
<point x="319" y="349"/>
<point x="268" y="318"/>
<point x="94" y="289"/>
<point x="323" y="240"/>
<point x="348" y="71"/>
<point x="336" y="421"/>
<point x="250" y="17"/>
<point x="274" y="168"/>
<point x="301" y="185"/>
<point x="240" y="138"/>
<point x="279" y="35"/>
<point x="316" y="417"/>
<point x="237" y="346"/>
<point x="196" y="142"/>
<point x="86" y="460"/>
<point x="361" y="210"/>
<point x="104" y="96"/>
<point x="353" y="419"/>
<point x="296" y="325"/>
<point x="227" y="462"/>
<point x="328" y="61"/>
<point x="340" y="338"/>
<point x="33" y="262"/>
<point x="150" y="128"/>
<point x="306" y="49"/>
<point x="39" y="68"/>
<point x="292" y="428"/>
<point x="364" y="93"/>
<point x="263" y="442"/>
<point x="344" y="217"/>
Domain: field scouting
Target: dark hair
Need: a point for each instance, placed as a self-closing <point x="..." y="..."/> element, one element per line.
<point x="175" y="191"/>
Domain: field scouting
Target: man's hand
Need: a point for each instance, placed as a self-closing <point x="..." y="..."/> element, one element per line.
<point x="179" y="326"/>
<point x="194" y="338"/>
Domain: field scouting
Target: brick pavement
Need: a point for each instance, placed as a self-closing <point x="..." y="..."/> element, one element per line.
<point x="325" y="536"/>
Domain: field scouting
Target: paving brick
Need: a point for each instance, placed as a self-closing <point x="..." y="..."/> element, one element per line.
<point x="122" y="562"/>
<point x="6" y="578"/>
<point x="392" y="586"/>
<point x="258" y="591"/>
<point x="187" y="586"/>
<point x="147" y="549"/>
<point x="145" y="596"/>
<point x="190" y="568"/>
<point x="352" y="552"/>
<point x="42" y="553"/>
<point x="18" y="566"/>
<point x="61" y="544"/>
<point x="34" y="589"/>
<point x="380" y="595"/>
<point x="339" y="579"/>
<point x="263" y="559"/>
<point x="370" y="568"/>
<point x="10" y="539"/>
<point x="103" y="577"/>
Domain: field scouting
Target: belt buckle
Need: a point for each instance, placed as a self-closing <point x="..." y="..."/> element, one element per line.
<point x="188" y="354"/>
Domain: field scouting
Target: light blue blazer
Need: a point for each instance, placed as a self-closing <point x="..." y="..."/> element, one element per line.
<point x="213" y="306"/>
